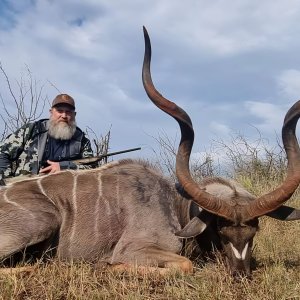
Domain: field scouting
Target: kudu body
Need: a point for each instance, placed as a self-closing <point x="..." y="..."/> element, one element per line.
<point x="126" y="213"/>
<point x="121" y="213"/>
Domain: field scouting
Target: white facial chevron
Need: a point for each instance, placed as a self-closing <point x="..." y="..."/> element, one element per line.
<point x="237" y="254"/>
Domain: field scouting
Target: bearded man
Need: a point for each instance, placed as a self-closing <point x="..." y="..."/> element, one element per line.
<point x="46" y="146"/>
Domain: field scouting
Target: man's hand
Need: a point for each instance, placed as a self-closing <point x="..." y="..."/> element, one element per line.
<point x="52" y="168"/>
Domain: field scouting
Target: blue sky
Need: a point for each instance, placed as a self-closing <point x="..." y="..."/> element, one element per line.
<point x="234" y="66"/>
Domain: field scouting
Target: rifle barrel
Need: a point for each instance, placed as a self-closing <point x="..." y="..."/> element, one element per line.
<point x="120" y="152"/>
<point x="89" y="160"/>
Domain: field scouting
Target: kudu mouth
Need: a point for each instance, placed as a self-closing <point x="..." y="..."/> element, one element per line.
<point x="211" y="203"/>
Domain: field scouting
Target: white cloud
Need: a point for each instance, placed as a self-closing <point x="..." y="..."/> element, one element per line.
<point x="219" y="129"/>
<point x="289" y="83"/>
<point x="270" y="115"/>
<point x="232" y="27"/>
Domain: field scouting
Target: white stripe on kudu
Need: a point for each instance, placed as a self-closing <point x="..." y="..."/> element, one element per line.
<point x="39" y="183"/>
<point x="74" y="202"/>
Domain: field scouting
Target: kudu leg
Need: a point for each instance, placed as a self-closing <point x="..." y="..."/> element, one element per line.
<point x="153" y="259"/>
<point x="21" y="228"/>
<point x="14" y="271"/>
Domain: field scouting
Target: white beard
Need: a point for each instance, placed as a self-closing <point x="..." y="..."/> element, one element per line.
<point x="61" y="130"/>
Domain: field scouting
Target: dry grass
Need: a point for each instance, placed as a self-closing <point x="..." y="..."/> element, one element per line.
<point x="276" y="277"/>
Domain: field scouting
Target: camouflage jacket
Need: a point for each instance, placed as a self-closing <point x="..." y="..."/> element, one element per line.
<point x="21" y="152"/>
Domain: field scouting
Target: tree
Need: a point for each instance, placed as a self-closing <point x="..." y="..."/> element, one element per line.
<point x="23" y="101"/>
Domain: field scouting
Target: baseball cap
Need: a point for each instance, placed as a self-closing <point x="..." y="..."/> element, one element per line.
<point x="63" y="99"/>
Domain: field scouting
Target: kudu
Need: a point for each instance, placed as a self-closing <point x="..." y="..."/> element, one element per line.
<point x="127" y="214"/>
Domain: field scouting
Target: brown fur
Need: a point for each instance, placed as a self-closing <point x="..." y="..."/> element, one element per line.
<point x="121" y="213"/>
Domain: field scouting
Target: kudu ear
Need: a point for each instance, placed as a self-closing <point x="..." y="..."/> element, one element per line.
<point x="285" y="213"/>
<point x="192" y="228"/>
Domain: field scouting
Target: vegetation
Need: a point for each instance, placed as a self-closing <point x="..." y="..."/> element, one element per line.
<point x="277" y="277"/>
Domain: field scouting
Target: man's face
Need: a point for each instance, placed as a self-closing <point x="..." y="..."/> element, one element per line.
<point x="62" y="114"/>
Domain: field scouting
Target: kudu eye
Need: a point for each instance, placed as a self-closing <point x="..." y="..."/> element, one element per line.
<point x="223" y="235"/>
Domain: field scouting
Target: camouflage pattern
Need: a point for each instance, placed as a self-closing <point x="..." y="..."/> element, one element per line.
<point x="19" y="153"/>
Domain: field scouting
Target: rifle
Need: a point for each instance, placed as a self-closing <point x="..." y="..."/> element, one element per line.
<point x="94" y="159"/>
<point x="89" y="160"/>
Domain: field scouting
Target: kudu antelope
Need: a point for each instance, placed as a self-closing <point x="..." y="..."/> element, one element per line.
<point x="127" y="214"/>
